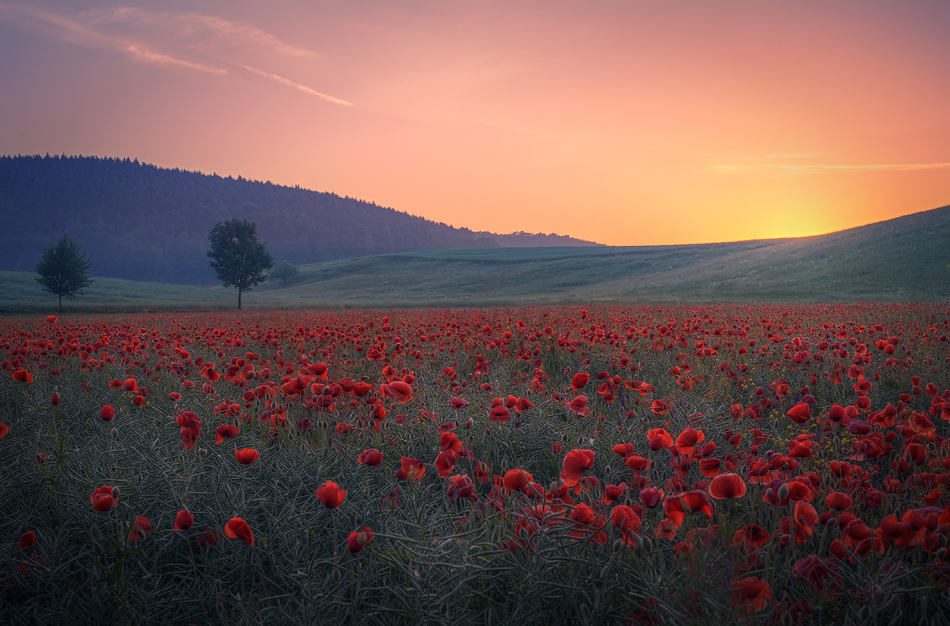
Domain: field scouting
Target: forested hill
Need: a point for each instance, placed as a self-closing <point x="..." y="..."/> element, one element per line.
<point x="142" y="222"/>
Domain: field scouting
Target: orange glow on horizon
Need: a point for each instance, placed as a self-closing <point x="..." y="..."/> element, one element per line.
<point x="624" y="123"/>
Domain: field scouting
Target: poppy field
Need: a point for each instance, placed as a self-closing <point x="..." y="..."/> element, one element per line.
<point x="555" y="465"/>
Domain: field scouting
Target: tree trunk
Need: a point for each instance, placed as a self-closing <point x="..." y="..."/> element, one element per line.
<point x="239" y="298"/>
<point x="60" y="303"/>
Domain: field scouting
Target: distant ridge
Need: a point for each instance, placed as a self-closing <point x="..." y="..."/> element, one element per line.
<point x="142" y="222"/>
<point x="522" y="239"/>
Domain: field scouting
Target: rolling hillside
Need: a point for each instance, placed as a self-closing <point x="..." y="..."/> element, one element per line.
<point x="904" y="259"/>
<point x="901" y="259"/>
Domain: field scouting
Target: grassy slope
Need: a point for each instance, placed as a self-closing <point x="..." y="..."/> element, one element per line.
<point x="902" y="259"/>
<point x="19" y="292"/>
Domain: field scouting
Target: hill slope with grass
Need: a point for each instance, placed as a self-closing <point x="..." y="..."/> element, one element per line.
<point x="906" y="258"/>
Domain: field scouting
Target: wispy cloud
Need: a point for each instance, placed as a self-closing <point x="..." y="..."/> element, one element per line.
<point x="202" y="30"/>
<point x="62" y="28"/>
<point x="155" y="57"/>
<point x="822" y="167"/>
<point x="289" y="83"/>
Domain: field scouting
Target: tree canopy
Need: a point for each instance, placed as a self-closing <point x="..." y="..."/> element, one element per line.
<point x="64" y="270"/>
<point x="142" y="222"/>
<point x="238" y="256"/>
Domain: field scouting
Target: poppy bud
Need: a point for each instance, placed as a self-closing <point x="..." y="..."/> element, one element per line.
<point x="617" y="545"/>
<point x="783" y="491"/>
<point x="607" y="470"/>
<point x="769" y="493"/>
<point x="941" y="553"/>
<point x="942" y="540"/>
<point x="468" y="423"/>
<point x="647" y="544"/>
<point x="115" y="433"/>
<point x="202" y="451"/>
<point x="115" y="493"/>
<point x="55" y="399"/>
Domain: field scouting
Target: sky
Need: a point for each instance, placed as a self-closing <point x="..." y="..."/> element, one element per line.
<point x="636" y="122"/>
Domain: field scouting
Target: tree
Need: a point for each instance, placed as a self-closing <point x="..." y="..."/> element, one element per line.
<point x="284" y="271"/>
<point x="238" y="256"/>
<point x="64" y="270"/>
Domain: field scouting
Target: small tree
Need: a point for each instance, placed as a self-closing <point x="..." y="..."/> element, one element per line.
<point x="238" y="256"/>
<point x="284" y="271"/>
<point x="64" y="270"/>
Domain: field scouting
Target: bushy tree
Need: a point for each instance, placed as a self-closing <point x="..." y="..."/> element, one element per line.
<point x="238" y="256"/>
<point x="284" y="271"/>
<point x="64" y="270"/>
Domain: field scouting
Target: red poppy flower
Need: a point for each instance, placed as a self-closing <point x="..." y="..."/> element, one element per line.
<point x="651" y="496"/>
<point x="687" y="439"/>
<point x="27" y="539"/>
<point x="637" y="463"/>
<point x="397" y="390"/>
<point x="838" y="501"/>
<point x="579" y="406"/>
<point x="131" y="385"/>
<point x="675" y="505"/>
<point x="659" y="439"/>
<point x="246" y="456"/>
<point x="579" y="381"/>
<point x="225" y="431"/>
<point x="4" y="429"/>
<point x="413" y="469"/>
<point x="175" y="396"/>
<point x="52" y="319"/>
<point x="623" y="449"/>
<point x="517" y="480"/>
<point x="576" y="462"/>
<point x="445" y="463"/>
<point x="22" y="376"/>
<point x="627" y="520"/>
<point x="750" y="595"/>
<point x="461" y="487"/>
<point x="331" y="494"/>
<point x="357" y="540"/>
<point x="458" y="403"/>
<point x="55" y="399"/>
<point x="800" y="413"/>
<point x="102" y="499"/>
<point x="726" y="486"/>
<point x="371" y="457"/>
<point x="107" y="413"/>
<point x="237" y="528"/>
<point x="751" y="537"/>
<point x="613" y="492"/>
<point x="184" y="520"/>
<point x="482" y="473"/>
<point x="499" y="414"/>
<point x="709" y="468"/>
<point x="141" y="524"/>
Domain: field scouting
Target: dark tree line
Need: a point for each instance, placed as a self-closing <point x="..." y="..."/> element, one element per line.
<point x="141" y="222"/>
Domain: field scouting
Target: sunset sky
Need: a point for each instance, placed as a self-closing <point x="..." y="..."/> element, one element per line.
<point x="635" y="122"/>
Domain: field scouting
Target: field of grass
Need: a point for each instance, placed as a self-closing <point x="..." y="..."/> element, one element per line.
<point x="537" y="465"/>
<point x="905" y="259"/>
